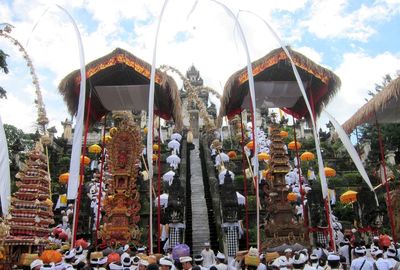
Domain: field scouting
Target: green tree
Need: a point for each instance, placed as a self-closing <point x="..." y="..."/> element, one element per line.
<point x="4" y="68"/>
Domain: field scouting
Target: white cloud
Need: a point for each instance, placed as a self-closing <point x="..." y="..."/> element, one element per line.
<point x="311" y="53"/>
<point x="330" y="19"/>
<point x="359" y="74"/>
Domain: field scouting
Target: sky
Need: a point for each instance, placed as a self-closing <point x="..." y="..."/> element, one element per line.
<point x="358" y="40"/>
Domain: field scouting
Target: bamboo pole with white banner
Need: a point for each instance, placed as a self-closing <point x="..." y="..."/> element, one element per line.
<point x="5" y="185"/>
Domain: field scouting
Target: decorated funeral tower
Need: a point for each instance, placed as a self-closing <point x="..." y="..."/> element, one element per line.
<point x="280" y="225"/>
<point x="122" y="205"/>
<point x="31" y="207"/>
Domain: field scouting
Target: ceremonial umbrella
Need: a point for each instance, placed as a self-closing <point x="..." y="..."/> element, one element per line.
<point x="349" y="196"/>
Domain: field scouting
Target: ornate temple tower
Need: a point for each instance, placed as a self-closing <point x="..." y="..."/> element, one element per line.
<point x="280" y="227"/>
<point x="191" y="111"/>
<point x="122" y="204"/>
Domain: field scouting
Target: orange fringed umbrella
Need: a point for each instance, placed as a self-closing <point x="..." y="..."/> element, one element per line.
<point x="263" y="156"/>
<point x="94" y="149"/>
<point x="86" y="160"/>
<point x="250" y="145"/>
<point x="283" y="133"/>
<point x="292" y="197"/>
<point x="63" y="178"/>
<point x="292" y="145"/>
<point x="307" y="156"/>
<point x="51" y="256"/>
<point x="329" y="172"/>
<point x="349" y="196"/>
<point x="232" y="154"/>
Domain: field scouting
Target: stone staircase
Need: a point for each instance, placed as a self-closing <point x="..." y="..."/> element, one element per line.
<point x="199" y="209"/>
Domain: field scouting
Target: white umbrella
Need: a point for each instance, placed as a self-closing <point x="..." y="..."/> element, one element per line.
<point x="174" y="144"/>
<point x="221" y="156"/>
<point x="168" y="176"/>
<point x="173" y="161"/>
<point x="240" y="198"/>
<point x="221" y="176"/>
<point x="176" y="136"/>
<point x="163" y="200"/>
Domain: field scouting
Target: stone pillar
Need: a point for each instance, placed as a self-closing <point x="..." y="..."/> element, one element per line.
<point x="194" y="122"/>
<point x="366" y="147"/>
<point x="390" y="158"/>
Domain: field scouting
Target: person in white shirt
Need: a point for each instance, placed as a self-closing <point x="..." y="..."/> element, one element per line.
<point x="262" y="264"/>
<point x="344" y="250"/>
<point x="361" y="262"/>
<point x="220" y="262"/>
<point x="313" y="263"/>
<point x="198" y="260"/>
<point x="208" y="255"/>
<point x="334" y="261"/>
<point x="381" y="263"/>
<point x="285" y="262"/>
<point x="391" y="254"/>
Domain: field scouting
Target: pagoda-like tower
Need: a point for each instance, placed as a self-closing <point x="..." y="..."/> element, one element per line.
<point x="122" y="204"/>
<point x="31" y="206"/>
<point x="279" y="227"/>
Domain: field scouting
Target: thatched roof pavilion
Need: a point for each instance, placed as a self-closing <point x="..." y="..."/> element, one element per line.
<point x="276" y="87"/>
<point x="120" y="81"/>
<point x="384" y="108"/>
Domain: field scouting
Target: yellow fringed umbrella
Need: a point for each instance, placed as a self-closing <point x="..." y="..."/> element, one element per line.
<point x="94" y="149"/>
<point x="263" y="156"/>
<point x="349" y="196"/>
<point x="108" y="138"/>
<point x="155" y="147"/>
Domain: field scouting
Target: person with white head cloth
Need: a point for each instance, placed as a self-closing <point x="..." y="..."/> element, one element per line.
<point x="313" y="263"/>
<point x="344" y="250"/>
<point x="391" y="254"/>
<point x="361" y="262"/>
<point x="49" y="266"/>
<point x="36" y="264"/>
<point x="285" y="262"/>
<point x="299" y="261"/>
<point x="186" y="262"/>
<point x="220" y="261"/>
<point x="208" y="255"/>
<point x="166" y="264"/>
<point x="198" y="260"/>
<point x="380" y="262"/>
<point x="334" y="262"/>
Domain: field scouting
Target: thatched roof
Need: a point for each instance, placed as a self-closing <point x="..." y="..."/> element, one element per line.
<point x="384" y="108"/>
<point x="275" y="66"/>
<point x="120" y="68"/>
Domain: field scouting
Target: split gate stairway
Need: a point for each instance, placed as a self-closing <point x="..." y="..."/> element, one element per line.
<point x="199" y="210"/>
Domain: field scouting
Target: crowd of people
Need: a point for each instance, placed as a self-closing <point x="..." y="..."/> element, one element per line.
<point x="360" y="257"/>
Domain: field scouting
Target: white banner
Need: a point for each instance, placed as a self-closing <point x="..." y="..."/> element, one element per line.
<point x="350" y="149"/>
<point x="4" y="171"/>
